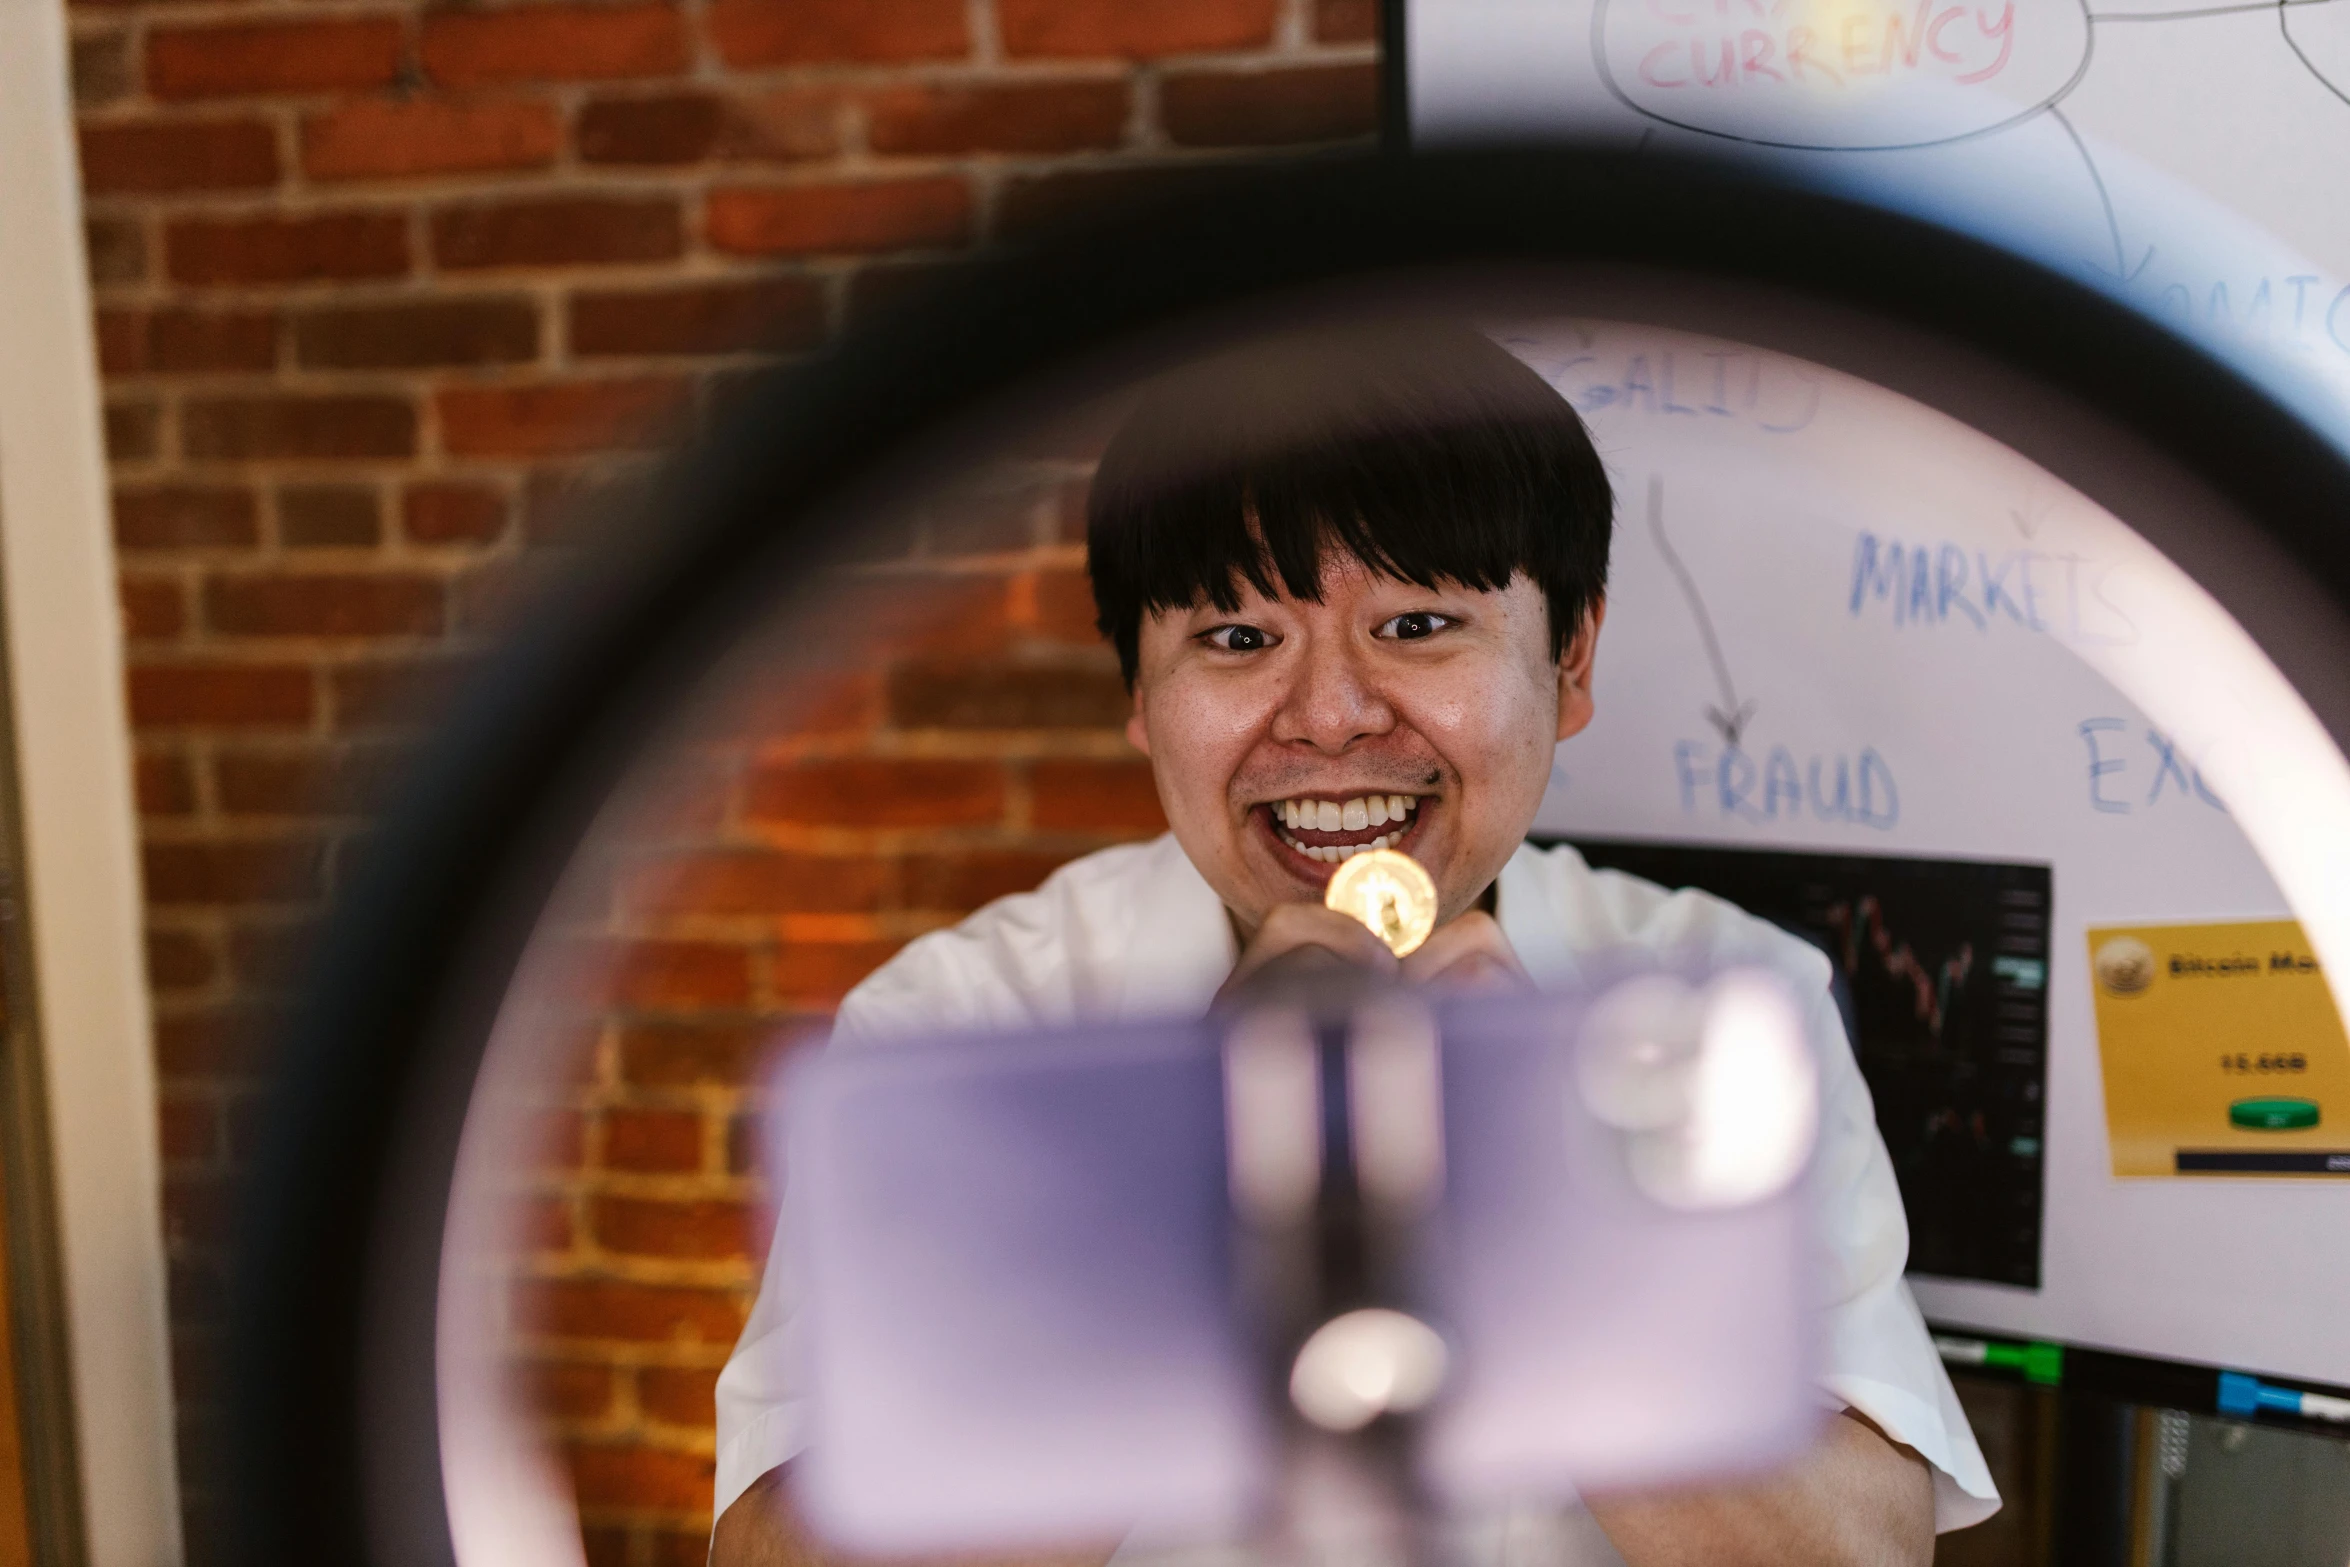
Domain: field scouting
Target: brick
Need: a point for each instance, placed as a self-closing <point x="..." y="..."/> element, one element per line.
<point x="689" y="1055"/>
<point x="322" y="604"/>
<point x="960" y="882"/>
<point x="813" y="32"/>
<point x="616" y="1547"/>
<point x="678" y="128"/>
<point x="724" y="882"/>
<point x="568" y="1390"/>
<point x="746" y="1145"/>
<point x="221" y="696"/>
<point x="976" y="695"/>
<point x="702" y="318"/>
<point x="295" y="249"/>
<point x="416" y="335"/>
<point x="544" y="1224"/>
<point x="328" y="516"/>
<point x="1065" y="611"/>
<point x="1270" y="108"/>
<point x="839" y="218"/>
<point x="402" y="138"/>
<point x="237" y="871"/>
<point x="189" y="1128"/>
<point x="165" y="784"/>
<point x="557" y="418"/>
<point x="204" y="1044"/>
<point x="1346" y="21"/>
<point x="788" y="126"/>
<point x="180" y="959"/>
<point x="152" y="157"/>
<point x="133" y="430"/>
<point x="678" y="1395"/>
<point x="394" y="691"/>
<point x="556" y="232"/>
<point x="875" y="792"/>
<point x="153" y="608"/>
<point x="102" y="72"/>
<point x="304" y="781"/>
<point x="1091" y="796"/>
<point x="133" y="342"/>
<point x="273" y="57"/>
<point x="922" y="118"/>
<point x="1133" y="29"/>
<point x="677" y="976"/>
<point x="553" y="43"/>
<point x="327" y="426"/>
<point x="267" y="955"/>
<point x="640" y="1227"/>
<point x="185" y="516"/>
<point x="652" y="1141"/>
<point x="116" y="248"/>
<point x="560" y="1140"/>
<point x="640" y="1477"/>
<point x="453" y="514"/>
<point x="821" y="972"/>
<point x="633" y="1313"/>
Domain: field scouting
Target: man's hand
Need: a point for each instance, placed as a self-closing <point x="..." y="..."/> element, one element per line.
<point x="1298" y="942"/>
<point x="1471" y="953"/>
<point x="1855" y="1500"/>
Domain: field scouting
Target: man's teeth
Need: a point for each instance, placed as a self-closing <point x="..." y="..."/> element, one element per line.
<point x="1332" y="853"/>
<point x="1356" y="815"/>
<point x="1368" y="810"/>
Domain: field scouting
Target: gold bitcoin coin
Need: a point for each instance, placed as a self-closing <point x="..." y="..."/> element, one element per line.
<point x="1388" y="892"/>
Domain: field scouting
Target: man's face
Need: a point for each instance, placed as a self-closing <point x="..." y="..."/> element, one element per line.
<point x="1287" y="733"/>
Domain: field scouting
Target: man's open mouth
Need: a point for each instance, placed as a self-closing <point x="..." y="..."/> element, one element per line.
<point x="1331" y="830"/>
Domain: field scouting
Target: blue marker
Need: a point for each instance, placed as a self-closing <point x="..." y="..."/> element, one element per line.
<point x="2243" y="1397"/>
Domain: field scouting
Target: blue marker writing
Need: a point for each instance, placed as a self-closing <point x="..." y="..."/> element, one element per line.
<point x="2243" y="1397"/>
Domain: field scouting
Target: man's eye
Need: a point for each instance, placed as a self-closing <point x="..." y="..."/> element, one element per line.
<point x="1410" y="628"/>
<point x="1238" y="639"/>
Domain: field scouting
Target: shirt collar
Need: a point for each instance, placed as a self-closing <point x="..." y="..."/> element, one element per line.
<point x="1527" y="908"/>
<point x="1181" y="944"/>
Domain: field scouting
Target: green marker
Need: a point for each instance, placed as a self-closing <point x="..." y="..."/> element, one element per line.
<point x="2041" y="1363"/>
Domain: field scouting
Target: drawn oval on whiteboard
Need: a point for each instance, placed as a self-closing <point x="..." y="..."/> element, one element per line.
<point x="1847" y="75"/>
<point x="2320" y="34"/>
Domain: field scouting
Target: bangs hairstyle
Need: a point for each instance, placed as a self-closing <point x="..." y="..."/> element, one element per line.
<point x="1427" y="452"/>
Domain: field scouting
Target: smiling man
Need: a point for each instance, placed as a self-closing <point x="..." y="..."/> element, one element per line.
<point x="1356" y="583"/>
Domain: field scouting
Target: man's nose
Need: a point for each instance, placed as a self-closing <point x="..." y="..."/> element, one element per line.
<point x="1333" y="702"/>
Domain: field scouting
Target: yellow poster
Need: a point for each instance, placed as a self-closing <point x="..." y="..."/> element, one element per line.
<point x="2223" y="1053"/>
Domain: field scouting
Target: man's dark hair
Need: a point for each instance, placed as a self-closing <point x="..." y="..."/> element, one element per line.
<point x="1426" y="451"/>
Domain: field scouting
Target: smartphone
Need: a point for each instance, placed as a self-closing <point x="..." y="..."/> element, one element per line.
<point x="1022" y="1317"/>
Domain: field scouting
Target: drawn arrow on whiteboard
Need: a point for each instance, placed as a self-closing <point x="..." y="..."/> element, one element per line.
<point x="1731" y="716"/>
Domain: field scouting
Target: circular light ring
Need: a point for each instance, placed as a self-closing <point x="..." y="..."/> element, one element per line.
<point x="332" y="1438"/>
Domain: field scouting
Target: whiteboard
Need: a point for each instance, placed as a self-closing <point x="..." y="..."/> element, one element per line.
<point x="2184" y="155"/>
<point x="2046" y="688"/>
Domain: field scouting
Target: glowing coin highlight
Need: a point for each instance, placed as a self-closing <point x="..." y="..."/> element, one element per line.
<point x="1390" y="894"/>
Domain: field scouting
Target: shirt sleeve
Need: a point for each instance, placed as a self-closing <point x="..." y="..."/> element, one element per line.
<point x="1878" y="1359"/>
<point x="760" y="1422"/>
<point x="762" y="1418"/>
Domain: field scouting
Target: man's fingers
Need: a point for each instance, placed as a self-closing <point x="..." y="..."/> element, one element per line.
<point x="1469" y="952"/>
<point x="1311" y="924"/>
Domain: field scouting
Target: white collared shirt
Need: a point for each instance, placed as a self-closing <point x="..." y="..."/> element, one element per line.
<point x="1135" y="932"/>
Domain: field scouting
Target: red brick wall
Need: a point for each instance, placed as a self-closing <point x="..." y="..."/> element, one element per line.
<point x="379" y="284"/>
